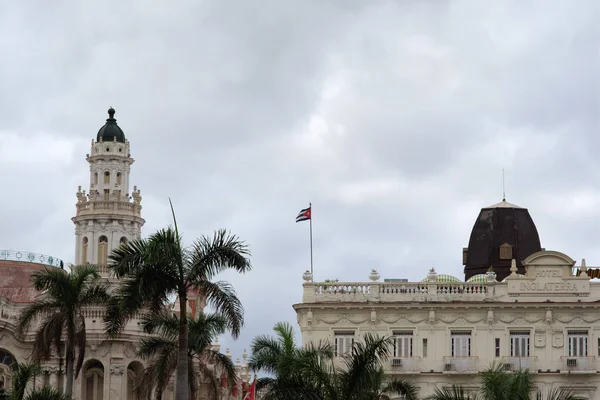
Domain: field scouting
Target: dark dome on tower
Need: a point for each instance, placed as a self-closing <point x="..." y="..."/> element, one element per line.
<point x="111" y="130"/>
<point x="502" y="232"/>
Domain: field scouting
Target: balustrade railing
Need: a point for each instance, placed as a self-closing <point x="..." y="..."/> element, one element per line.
<point x="398" y="291"/>
<point x="342" y="288"/>
<point x="107" y="206"/>
<point x="27" y="256"/>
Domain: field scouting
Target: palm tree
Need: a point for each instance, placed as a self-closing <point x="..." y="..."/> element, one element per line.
<point x="310" y="372"/>
<point x="498" y="384"/>
<point x="362" y="377"/>
<point x="160" y="266"/>
<point x="23" y="374"/>
<point x="161" y="352"/>
<point x="60" y="312"/>
<point x="299" y="373"/>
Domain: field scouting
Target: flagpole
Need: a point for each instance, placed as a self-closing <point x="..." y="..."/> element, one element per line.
<point x="311" y="241"/>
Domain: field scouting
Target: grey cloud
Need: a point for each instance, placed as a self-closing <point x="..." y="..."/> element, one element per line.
<point x="394" y="118"/>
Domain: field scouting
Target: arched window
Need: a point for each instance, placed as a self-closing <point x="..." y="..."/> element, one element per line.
<point x="102" y="250"/>
<point x="123" y="241"/>
<point x="119" y="178"/>
<point x="95" y="178"/>
<point x="93" y="381"/>
<point x="7" y="366"/>
<point x="134" y="372"/>
<point x="107" y="177"/>
<point x="84" y="250"/>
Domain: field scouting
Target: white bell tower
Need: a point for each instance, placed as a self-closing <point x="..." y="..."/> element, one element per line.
<point x="109" y="214"/>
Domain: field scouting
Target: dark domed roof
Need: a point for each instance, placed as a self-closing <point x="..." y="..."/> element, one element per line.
<point x="111" y="130"/>
<point x="502" y="232"/>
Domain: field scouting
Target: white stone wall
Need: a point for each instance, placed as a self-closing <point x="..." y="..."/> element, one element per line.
<point x="547" y="303"/>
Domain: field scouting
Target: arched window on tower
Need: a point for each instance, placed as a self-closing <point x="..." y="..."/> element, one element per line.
<point x="107" y="177"/>
<point x="84" y="250"/>
<point x="119" y="179"/>
<point x="122" y="241"/>
<point x="95" y="178"/>
<point x="92" y="385"/>
<point x="103" y="250"/>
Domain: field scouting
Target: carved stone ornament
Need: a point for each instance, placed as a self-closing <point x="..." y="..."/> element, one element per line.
<point x="557" y="339"/>
<point x="117" y="369"/>
<point x="540" y="339"/>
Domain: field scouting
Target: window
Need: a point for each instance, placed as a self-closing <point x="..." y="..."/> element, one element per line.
<point x="95" y="178"/>
<point x="106" y="194"/>
<point x="461" y="344"/>
<point x="122" y="241"/>
<point x="119" y="179"/>
<point x="84" y="250"/>
<point x="519" y="344"/>
<point x="343" y="342"/>
<point x="598" y="347"/>
<point x="107" y="177"/>
<point x="506" y="252"/>
<point x="424" y="348"/>
<point x="403" y="344"/>
<point x="102" y="250"/>
<point x="497" y="347"/>
<point x="578" y="343"/>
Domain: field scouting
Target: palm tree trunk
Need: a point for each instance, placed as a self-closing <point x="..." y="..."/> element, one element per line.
<point x="69" y="367"/>
<point x="181" y="388"/>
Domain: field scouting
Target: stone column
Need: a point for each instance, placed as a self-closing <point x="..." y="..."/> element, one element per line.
<point x="114" y="388"/>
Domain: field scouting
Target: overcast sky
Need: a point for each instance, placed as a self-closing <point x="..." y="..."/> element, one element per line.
<point x="394" y="118"/>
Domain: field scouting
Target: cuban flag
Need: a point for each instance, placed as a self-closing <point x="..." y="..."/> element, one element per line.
<point x="303" y="215"/>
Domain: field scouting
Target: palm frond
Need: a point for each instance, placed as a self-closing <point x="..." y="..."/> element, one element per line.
<point x="151" y="346"/>
<point x="128" y="258"/>
<point x="265" y="354"/>
<point x="92" y="295"/>
<point x="212" y="256"/>
<point x="39" y="309"/>
<point x="363" y="364"/>
<point x="55" y="281"/>
<point x="23" y="373"/>
<point x="46" y="393"/>
<point x="402" y="387"/>
<point x="495" y="382"/>
<point x="80" y="343"/>
<point x="48" y="336"/>
<point x="456" y="392"/>
<point x="162" y="323"/>
<point x="222" y="298"/>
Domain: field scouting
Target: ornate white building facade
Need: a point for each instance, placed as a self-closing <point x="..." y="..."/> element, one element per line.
<point x="542" y="315"/>
<point x="106" y="216"/>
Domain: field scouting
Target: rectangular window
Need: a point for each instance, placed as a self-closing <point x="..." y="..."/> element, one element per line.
<point x="519" y="344"/>
<point x="461" y="343"/>
<point x="106" y="195"/>
<point x="497" y="347"/>
<point x="403" y="344"/>
<point x="598" y="347"/>
<point x="425" y="348"/>
<point x="578" y="343"/>
<point x="343" y="342"/>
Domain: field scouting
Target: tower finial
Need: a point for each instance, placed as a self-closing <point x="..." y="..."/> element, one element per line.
<point x="111" y="112"/>
<point x="503" y="187"/>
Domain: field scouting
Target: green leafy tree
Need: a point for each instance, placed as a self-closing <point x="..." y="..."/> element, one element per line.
<point x="161" y="351"/>
<point x="160" y="266"/>
<point x="60" y="314"/>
